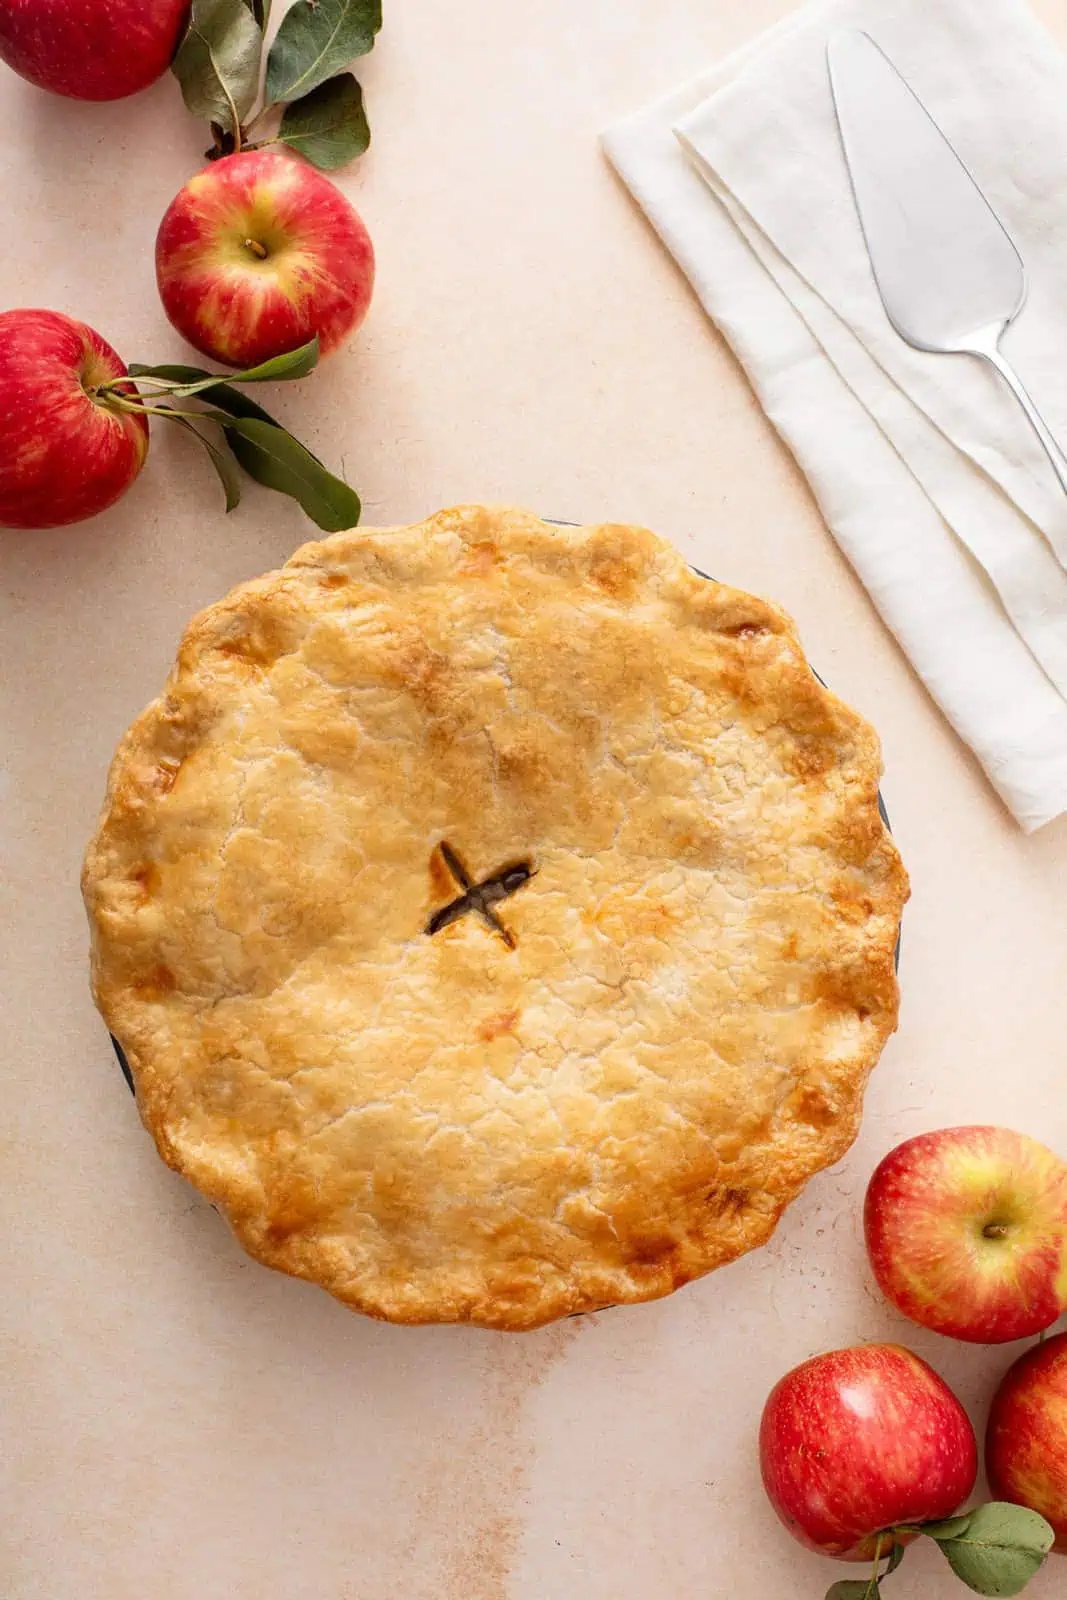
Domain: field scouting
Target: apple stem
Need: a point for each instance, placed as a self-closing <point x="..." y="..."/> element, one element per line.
<point x="121" y="403"/>
<point x="995" y="1230"/>
<point x="873" y="1588"/>
<point x="120" y="388"/>
<point x="257" y="249"/>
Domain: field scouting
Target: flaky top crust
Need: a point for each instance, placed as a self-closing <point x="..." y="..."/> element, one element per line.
<point x="440" y="1091"/>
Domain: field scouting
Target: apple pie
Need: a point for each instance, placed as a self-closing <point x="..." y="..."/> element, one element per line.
<point x="497" y="918"/>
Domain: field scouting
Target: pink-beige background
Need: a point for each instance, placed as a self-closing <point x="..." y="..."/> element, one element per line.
<point x="181" y="1424"/>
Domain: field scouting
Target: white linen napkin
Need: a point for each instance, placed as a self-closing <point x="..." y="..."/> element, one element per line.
<point x="924" y="467"/>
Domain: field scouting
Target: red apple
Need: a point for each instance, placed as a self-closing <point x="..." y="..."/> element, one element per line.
<point x="258" y="254"/>
<point x="65" y="451"/>
<point x="1026" y="1444"/>
<point x="91" y="49"/>
<point x="861" y="1441"/>
<point x="967" y="1233"/>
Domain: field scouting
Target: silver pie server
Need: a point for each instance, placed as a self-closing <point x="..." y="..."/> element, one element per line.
<point x="950" y="278"/>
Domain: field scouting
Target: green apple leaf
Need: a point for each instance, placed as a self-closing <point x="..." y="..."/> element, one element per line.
<point x="236" y="404"/>
<point x="260" y="9"/>
<point x="270" y="454"/>
<point x="279" y="369"/>
<point x="317" y="38"/>
<point x="290" y="364"/>
<point x="274" y="458"/>
<point x="218" y="62"/>
<point x="258" y="442"/>
<point x="224" y="464"/>
<point x="850" y="1589"/>
<point x="329" y="126"/>
<point x="264" y="448"/>
<point x="950" y="1529"/>
<point x="169" y="372"/>
<point x="1000" y="1549"/>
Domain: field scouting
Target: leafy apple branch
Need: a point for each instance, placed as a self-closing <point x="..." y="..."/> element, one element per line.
<point x="995" y="1549"/>
<point x="220" y="67"/>
<point x="236" y="432"/>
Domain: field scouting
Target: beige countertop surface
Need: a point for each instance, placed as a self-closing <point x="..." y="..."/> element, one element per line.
<point x="181" y="1423"/>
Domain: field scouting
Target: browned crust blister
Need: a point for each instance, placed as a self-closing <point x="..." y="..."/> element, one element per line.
<point x="594" y="1079"/>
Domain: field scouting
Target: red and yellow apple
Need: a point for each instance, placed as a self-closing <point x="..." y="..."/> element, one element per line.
<point x="91" y="49"/>
<point x="66" y="450"/>
<point x="967" y="1233"/>
<point x="1026" y="1441"/>
<point x="258" y="254"/>
<point x="858" y="1442"/>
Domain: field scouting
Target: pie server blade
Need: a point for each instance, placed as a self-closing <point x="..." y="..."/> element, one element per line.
<point x="949" y="275"/>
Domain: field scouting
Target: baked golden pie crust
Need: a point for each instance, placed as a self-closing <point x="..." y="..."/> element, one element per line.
<point x="497" y="918"/>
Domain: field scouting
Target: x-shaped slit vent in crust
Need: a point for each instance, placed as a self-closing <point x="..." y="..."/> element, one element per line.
<point x="479" y="898"/>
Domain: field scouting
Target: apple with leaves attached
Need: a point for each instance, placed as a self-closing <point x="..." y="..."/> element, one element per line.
<point x="259" y="254"/>
<point x="967" y="1232"/>
<point x="91" y="49"/>
<point x="69" y="447"/>
<point x="864" y="1450"/>
<point x="860" y="1441"/>
<point x="74" y="427"/>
